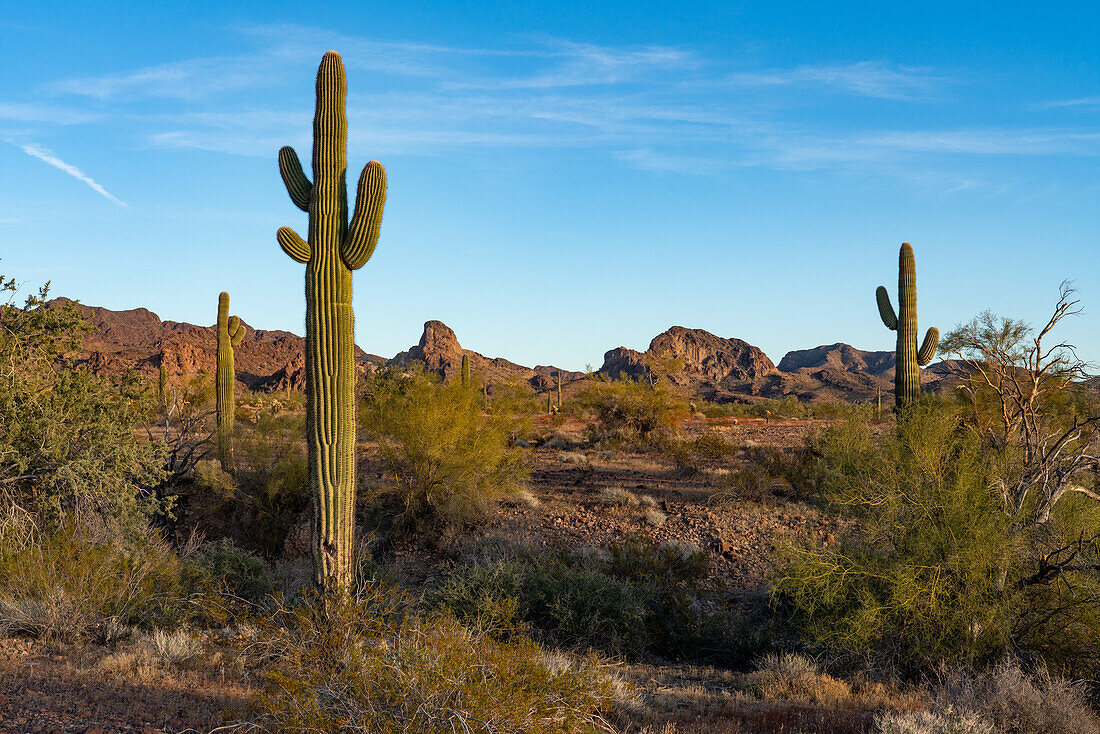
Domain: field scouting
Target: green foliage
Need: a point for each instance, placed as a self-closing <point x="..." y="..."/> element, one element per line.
<point x="271" y="477"/>
<point x="234" y="570"/>
<point x="67" y="440"/>
<point x="336" y="247"/>
<point x="705" y="450"/>
<point x="448" y="459"/>
<point x="935" y="571"/>
<point x="367" y="664"/>
<point x="631" y="414"/>
<point x="77" y="581"/>
<point x="635" y="599"/>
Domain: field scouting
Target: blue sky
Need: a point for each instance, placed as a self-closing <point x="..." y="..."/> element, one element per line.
<point x="566" y="177"/>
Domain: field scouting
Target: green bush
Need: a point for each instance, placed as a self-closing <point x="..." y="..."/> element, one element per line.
<point x="632" y="415"/>
<point x="934" y="570"/>
<point x="67" y="442"/>
<point x="270" y="473"/>
<point x="74" y="581"/>
<point x="706" y="450"/>
<point x="367" y="664"/>
<point x="635" y="599"/>
<point x="232" y="570"/>
<point x="449" y="460"/>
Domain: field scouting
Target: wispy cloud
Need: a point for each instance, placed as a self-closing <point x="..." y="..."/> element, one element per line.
<point x="875" y="79"/>
<point x="1057" y="104"/>
<point x="47" y="156"/>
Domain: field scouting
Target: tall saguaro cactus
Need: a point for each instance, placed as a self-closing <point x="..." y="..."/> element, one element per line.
<point x="230" y="333"/>
<point x="909" y="358"/>
<point x="465" y="370"/>
<point x="332" y="251"/>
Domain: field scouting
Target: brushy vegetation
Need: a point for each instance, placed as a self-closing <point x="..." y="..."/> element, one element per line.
<point x="74" y="581"/>
<point x="369" y="664"/>
<point x="937" y="571"/>
<point x="633" y="415"/>
<point x="449" y="459"/>
<point x="67" y="441"/>
<point x="635" y="599"/>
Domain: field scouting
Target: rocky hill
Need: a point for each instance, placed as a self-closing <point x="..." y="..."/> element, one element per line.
<point x="731" y="369"/>
<point x="137" y="339"/>
<point x="717" y="368"/>
<point x="440" y="352"/>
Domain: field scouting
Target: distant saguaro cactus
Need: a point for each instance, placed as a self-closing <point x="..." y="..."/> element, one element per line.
<point x="162" y="380"/>
<point x="909" y="359"/>
<point x="230" y="333"/>
<point x="333" y="250"/>
<point x="465" y="370"/>
<point x="559" y="388"/>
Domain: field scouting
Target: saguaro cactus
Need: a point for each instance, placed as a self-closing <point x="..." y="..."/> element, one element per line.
<point x="559" y="388"/>
<point x="162" y="380"/>
<point x="332" y="251"/>
<point x="909" y="358"/>
<point x="465" y="370"/>
<point x="230" y="333"/>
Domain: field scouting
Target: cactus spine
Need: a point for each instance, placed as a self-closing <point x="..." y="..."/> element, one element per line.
<point x="909" y="358"/>
<point x="230" y="333"/>
<point x="465" y="370"/>
<point x="332" y="251"/>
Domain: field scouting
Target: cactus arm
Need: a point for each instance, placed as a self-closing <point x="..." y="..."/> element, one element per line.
<point x="886" y="309"/>
<point x="366" y="221"/>
<point x="928" y="347"/>
<point x="297" y="185"/>
<point x="293" y="244"/>
<point x="237" y="330"/>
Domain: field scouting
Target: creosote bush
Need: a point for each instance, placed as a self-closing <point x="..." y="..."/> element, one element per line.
<point x="367" y="663"/>
<point x="636" y="598"/>
<point x="631" y="414"/>
<point x="448" y="458"/>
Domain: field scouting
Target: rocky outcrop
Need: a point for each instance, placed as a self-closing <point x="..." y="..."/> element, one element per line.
<point x="711" y="358"/>
<point x="439" y="352"/>
<point x="837" y="356"/>
<point x="137" y="339"/>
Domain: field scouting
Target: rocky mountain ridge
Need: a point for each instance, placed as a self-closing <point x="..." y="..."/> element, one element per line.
<point x="721" y="369"/>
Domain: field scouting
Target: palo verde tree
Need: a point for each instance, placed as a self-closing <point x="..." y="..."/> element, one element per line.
<point x="333" y="249"/>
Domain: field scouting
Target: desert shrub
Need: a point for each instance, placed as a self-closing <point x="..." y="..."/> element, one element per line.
<point x="270" y="473"/>
<point x="67" y="442"/>
<point x="1016" y="702"/>
<point x="797" y="677"/>
<point x="447" y="457"/>
<point x="74" y="581"/>
<point x="366" y="664"/>
<point x="706" y="450"/>
<point x="636" y="599"/>
<point x="947" y="721"/>
<point x="224" y="566"/>
<point x="935" y="570"/>
<point x="628" y="414"/>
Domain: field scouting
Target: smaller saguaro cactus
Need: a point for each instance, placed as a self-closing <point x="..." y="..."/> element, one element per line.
<point x="909" y="359"/>
<point x="465" y="370"/>
<point x="559" y="388"/>
<point x="230" y="333"/>
<point x="162" y="381"/>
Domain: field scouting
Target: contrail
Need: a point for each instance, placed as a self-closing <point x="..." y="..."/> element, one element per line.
<point x="45" y="154"/>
